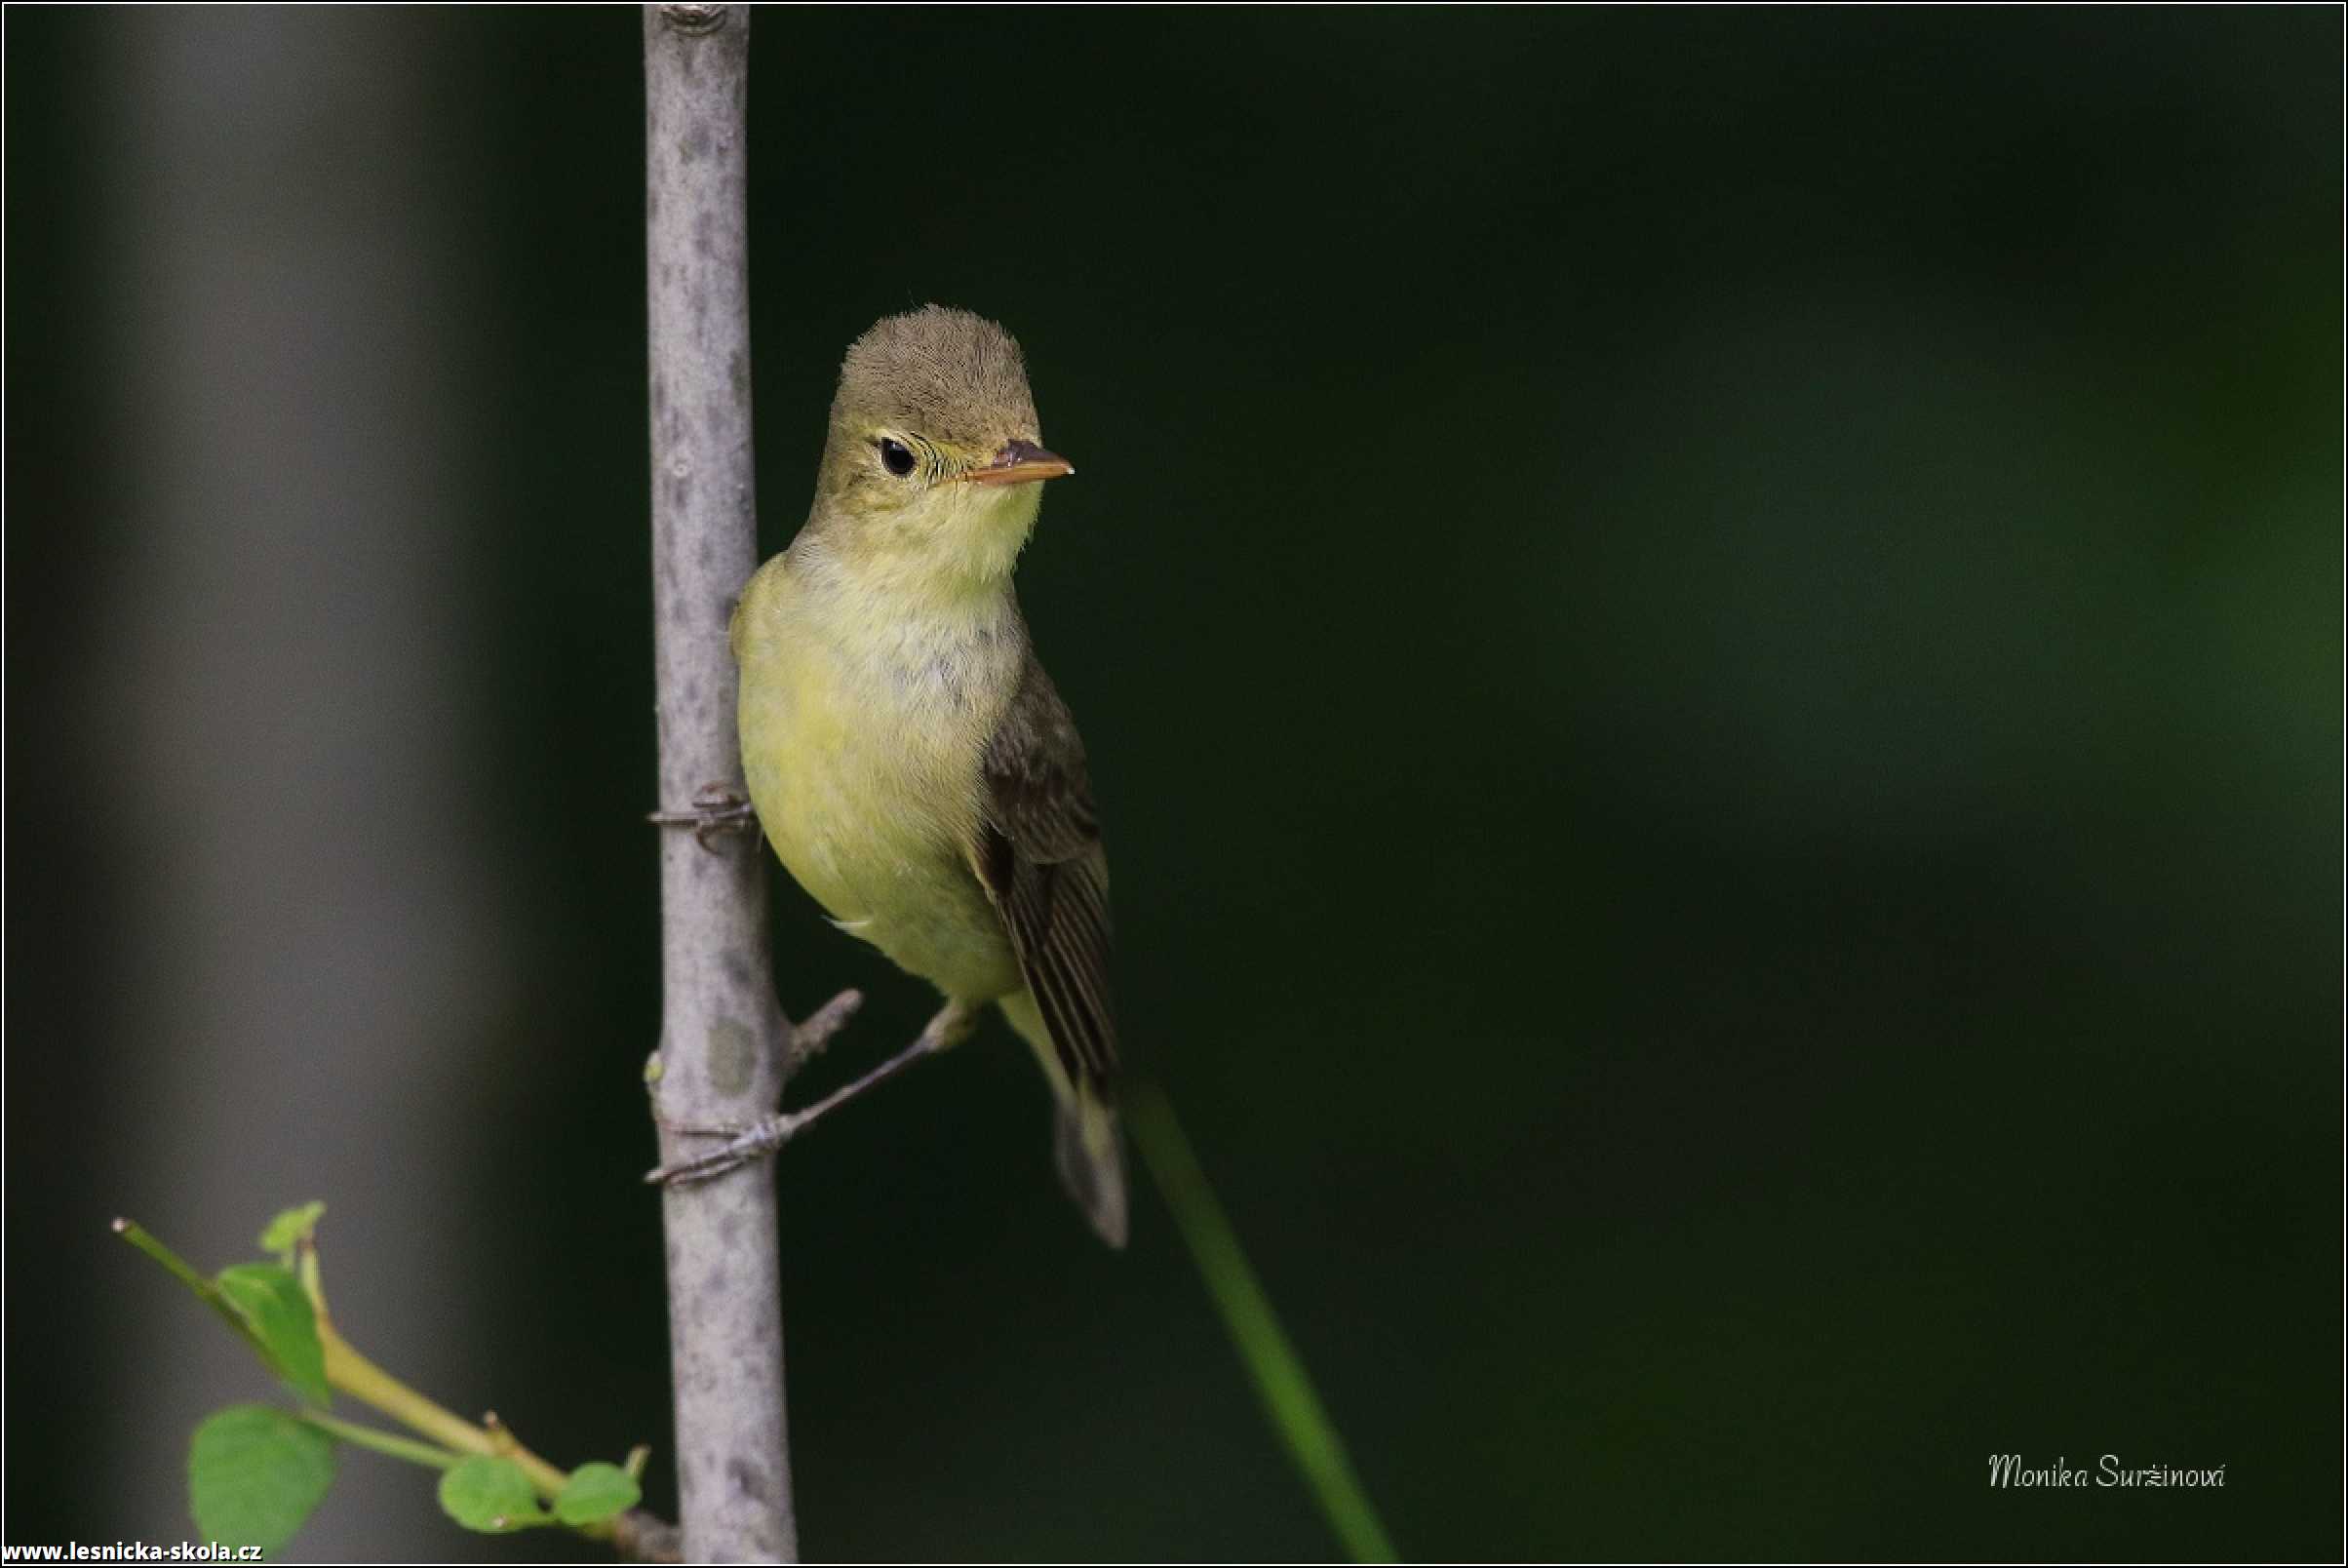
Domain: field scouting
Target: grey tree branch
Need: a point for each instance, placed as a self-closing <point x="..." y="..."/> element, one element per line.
<point x="722" y="1057"/>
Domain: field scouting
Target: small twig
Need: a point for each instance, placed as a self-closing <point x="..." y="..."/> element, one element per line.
<point x="646" y="1538"/>
<point x="811" y="1034"/>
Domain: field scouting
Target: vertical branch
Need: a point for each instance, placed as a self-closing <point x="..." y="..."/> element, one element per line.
<point x="721" y="1035"/>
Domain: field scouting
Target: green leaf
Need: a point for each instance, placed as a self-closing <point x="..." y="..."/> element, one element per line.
<point x="289" y="1230"/>
<point x="254" y="1473"/>
<point x="596" y="1491"/>
<point x="274" y="1309"/>
<point x="490" y="1494"/>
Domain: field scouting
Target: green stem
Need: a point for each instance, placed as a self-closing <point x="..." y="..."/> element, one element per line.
<point x="206" y="1291"/>
<point x="1279" y="1374"/>
<point x="360" y="1378"/>
<point x="384" y="1442"/>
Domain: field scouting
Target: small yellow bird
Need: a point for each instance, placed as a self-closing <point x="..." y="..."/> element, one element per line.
<point x="908" y="757"/>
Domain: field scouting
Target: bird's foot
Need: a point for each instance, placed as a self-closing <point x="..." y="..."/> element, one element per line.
<point x="768" y="1134"/>
<point x="716" y="809"/>
<point x="742" y="1144"/>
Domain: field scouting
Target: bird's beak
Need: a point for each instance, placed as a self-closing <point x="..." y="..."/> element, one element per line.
<point x="1021" y="463"/>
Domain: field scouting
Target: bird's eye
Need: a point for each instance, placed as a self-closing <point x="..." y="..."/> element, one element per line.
<point x="896" y="456"/>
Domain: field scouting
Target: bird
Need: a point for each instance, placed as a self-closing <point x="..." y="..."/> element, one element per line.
<point x="908" y="759"/>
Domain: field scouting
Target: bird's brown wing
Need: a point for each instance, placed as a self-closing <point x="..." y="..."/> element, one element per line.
<point x="1038" y="852"/>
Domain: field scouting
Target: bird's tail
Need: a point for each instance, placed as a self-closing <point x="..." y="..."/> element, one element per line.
<point x="1087" y="1144"/>
<point x="1090" y="1153"/>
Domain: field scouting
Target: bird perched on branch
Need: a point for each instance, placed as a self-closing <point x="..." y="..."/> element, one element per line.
<point x="908" y="757"/>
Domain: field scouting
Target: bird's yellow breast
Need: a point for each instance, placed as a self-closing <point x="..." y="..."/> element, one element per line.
<point x="861" y="733"/>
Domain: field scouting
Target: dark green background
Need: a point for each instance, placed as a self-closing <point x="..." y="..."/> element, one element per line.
<point x="1711" y="647"/>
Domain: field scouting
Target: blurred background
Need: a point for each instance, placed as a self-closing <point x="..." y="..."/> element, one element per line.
<point x="1711" y="648"/>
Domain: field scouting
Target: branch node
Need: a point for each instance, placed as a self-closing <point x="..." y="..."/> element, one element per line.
<point x="693" y="18"/>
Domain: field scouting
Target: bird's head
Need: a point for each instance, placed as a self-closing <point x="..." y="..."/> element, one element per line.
<point x="933" y="465"/>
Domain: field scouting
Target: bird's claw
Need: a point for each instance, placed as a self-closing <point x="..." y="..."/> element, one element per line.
<point x="769" y="1133"/>
<point x="716" y="809"/>
<point x="742" y="1146"/>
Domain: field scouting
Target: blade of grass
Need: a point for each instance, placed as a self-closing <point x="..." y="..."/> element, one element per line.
<point x="1290" y="1400"/>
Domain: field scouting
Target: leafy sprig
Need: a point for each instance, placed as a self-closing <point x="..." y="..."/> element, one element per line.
<point x="255" y="1473"/>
